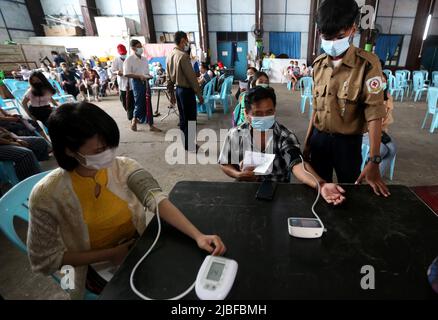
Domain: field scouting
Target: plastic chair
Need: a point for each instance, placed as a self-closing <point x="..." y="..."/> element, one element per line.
<point x="419" y="85"/>
<point x="394" y="86"/>
<point x="402" y="77"/>
<point x="22" y="85"/>
<point x="225" y="94"/>
<point x="207" y="106"/>
<point x="266" y="65"/>
<point x="10" y="84"/>
<point x="7" y="172"/>
<point x="432" y="95"/>
<point x="15" y="204"/>
<point x="365" y="153"/>
<point x="306" y="88"/>
<point x="14" y="106"/>
<point x="19" y="94"/>
<point x="435" y="79"/>
<point x="387" y="72"/>
<point x="60" y="96"/>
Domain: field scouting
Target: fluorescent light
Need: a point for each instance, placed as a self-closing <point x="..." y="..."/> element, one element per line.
<point x="426" y="29"/>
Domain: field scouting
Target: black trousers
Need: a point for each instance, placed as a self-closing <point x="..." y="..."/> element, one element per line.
<point x="343" y="153"/>
<point x="186" y="101"/>
<point x="41" y="113"/>
<point x="127" y="99"/>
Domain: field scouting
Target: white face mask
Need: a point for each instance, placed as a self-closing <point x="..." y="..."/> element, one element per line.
<point x="186" y="47"/>
<point x="99" y="161"/>
<point x="139" y="51"/>
<point x="335" y="48"/>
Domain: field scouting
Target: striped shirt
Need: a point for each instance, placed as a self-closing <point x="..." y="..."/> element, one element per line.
<point x="284" y="144"/>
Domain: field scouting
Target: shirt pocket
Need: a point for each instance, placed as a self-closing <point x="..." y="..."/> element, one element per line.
<point x="320" y="94"/>
<point x="348" y="99"/>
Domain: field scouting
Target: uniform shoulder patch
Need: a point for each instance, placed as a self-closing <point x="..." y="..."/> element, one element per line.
<point x="374" y="85"/>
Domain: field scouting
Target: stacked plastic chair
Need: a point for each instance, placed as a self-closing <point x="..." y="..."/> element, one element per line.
<point x="306" y="88"/>
<point x="207" y="106"/>
<point x="394" y="87"/>
<point x="418" y="85"/>
<point x="225" y="95"/>
<point x="432" y="98"/>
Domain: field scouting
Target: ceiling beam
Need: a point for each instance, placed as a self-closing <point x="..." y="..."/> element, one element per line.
<point x="147" y="20"/>
<point x="89" y="11"/>
<point x="37" y="16"/>
<point x="204" y="39"/>
<point x="416" y="46"/>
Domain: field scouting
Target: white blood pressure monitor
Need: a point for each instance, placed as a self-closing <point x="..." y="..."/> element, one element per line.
<point x="215" y="278"/>
<point x="305" y="228"/>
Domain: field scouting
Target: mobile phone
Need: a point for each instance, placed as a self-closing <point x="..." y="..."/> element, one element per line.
<point x="266" y="190"/>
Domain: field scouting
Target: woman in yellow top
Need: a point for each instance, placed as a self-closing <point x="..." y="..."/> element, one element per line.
<point x="84" y="212"/>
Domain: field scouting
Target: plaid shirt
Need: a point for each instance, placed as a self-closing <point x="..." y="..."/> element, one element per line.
<point x="284" y="145"/>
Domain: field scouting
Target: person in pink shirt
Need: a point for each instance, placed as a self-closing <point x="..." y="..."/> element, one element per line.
<point x="38" y="98"/>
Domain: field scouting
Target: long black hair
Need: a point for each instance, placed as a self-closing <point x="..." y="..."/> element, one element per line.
<point x="44" y="87"/>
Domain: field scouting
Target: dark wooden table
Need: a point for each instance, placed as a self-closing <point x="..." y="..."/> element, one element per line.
<point x="398" y="236"/>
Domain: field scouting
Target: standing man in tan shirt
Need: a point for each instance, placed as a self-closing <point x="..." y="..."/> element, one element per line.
<point x="348" y="98"/>
<point x="181" y="74"/>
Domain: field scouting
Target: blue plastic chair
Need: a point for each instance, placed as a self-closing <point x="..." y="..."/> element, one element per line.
<point x="387" y="72"/>
<point x="15" y="106"/>
<point x="15" y="203"/>
<point x="60" y="96"/>
<point x="402" y="77"/>
<point x="10" y="84"/>
<point x="19" y="94"/>
<point x="419" y="85"/>
<point x="207" y="106"/>
<point x="365" y="153"/>
<point x="7" y="172"/>
<point x="22" y="85"/>
<point x="394" y="86"/>
<point x="266" y="65"/>
<point x="306" y="89"/>
<point x="432" y="95"/>
<point x="225" y="94"/>
<point x="435" y="79"/>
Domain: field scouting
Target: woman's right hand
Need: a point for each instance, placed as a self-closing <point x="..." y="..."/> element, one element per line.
<point x="120" y="252"/>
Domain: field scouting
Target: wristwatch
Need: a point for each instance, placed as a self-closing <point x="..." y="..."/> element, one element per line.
<point x="375" y="159"/>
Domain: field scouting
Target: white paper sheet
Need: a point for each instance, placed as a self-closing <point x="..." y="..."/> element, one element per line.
<point x="263" y="162"/>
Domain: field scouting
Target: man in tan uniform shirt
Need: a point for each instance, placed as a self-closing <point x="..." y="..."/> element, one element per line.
<point x="180" y="73"/>
<point x="348" y="101"/>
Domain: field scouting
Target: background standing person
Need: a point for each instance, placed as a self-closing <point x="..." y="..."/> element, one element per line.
<point x="136" y="68"/>
<point x="181" y="74"/>
<point x="125" y="91"/>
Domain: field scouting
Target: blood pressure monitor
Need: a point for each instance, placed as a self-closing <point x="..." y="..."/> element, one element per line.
<point x="308" y="228"/>
<point x="215" y="278"/>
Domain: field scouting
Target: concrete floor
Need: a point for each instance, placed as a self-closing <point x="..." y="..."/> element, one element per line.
<point x="417" y="158"/>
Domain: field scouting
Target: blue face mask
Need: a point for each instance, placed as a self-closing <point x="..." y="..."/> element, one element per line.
<point x="262" y="123"/>
<point x="335" y="48"/>
<point x="263" y="85"/>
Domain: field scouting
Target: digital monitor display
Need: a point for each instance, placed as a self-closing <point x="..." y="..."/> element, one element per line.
<point x="215" y="271"/>
<point x="305" y="223"/>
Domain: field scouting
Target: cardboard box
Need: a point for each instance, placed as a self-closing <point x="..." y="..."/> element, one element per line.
<point x="62" y="31"/>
